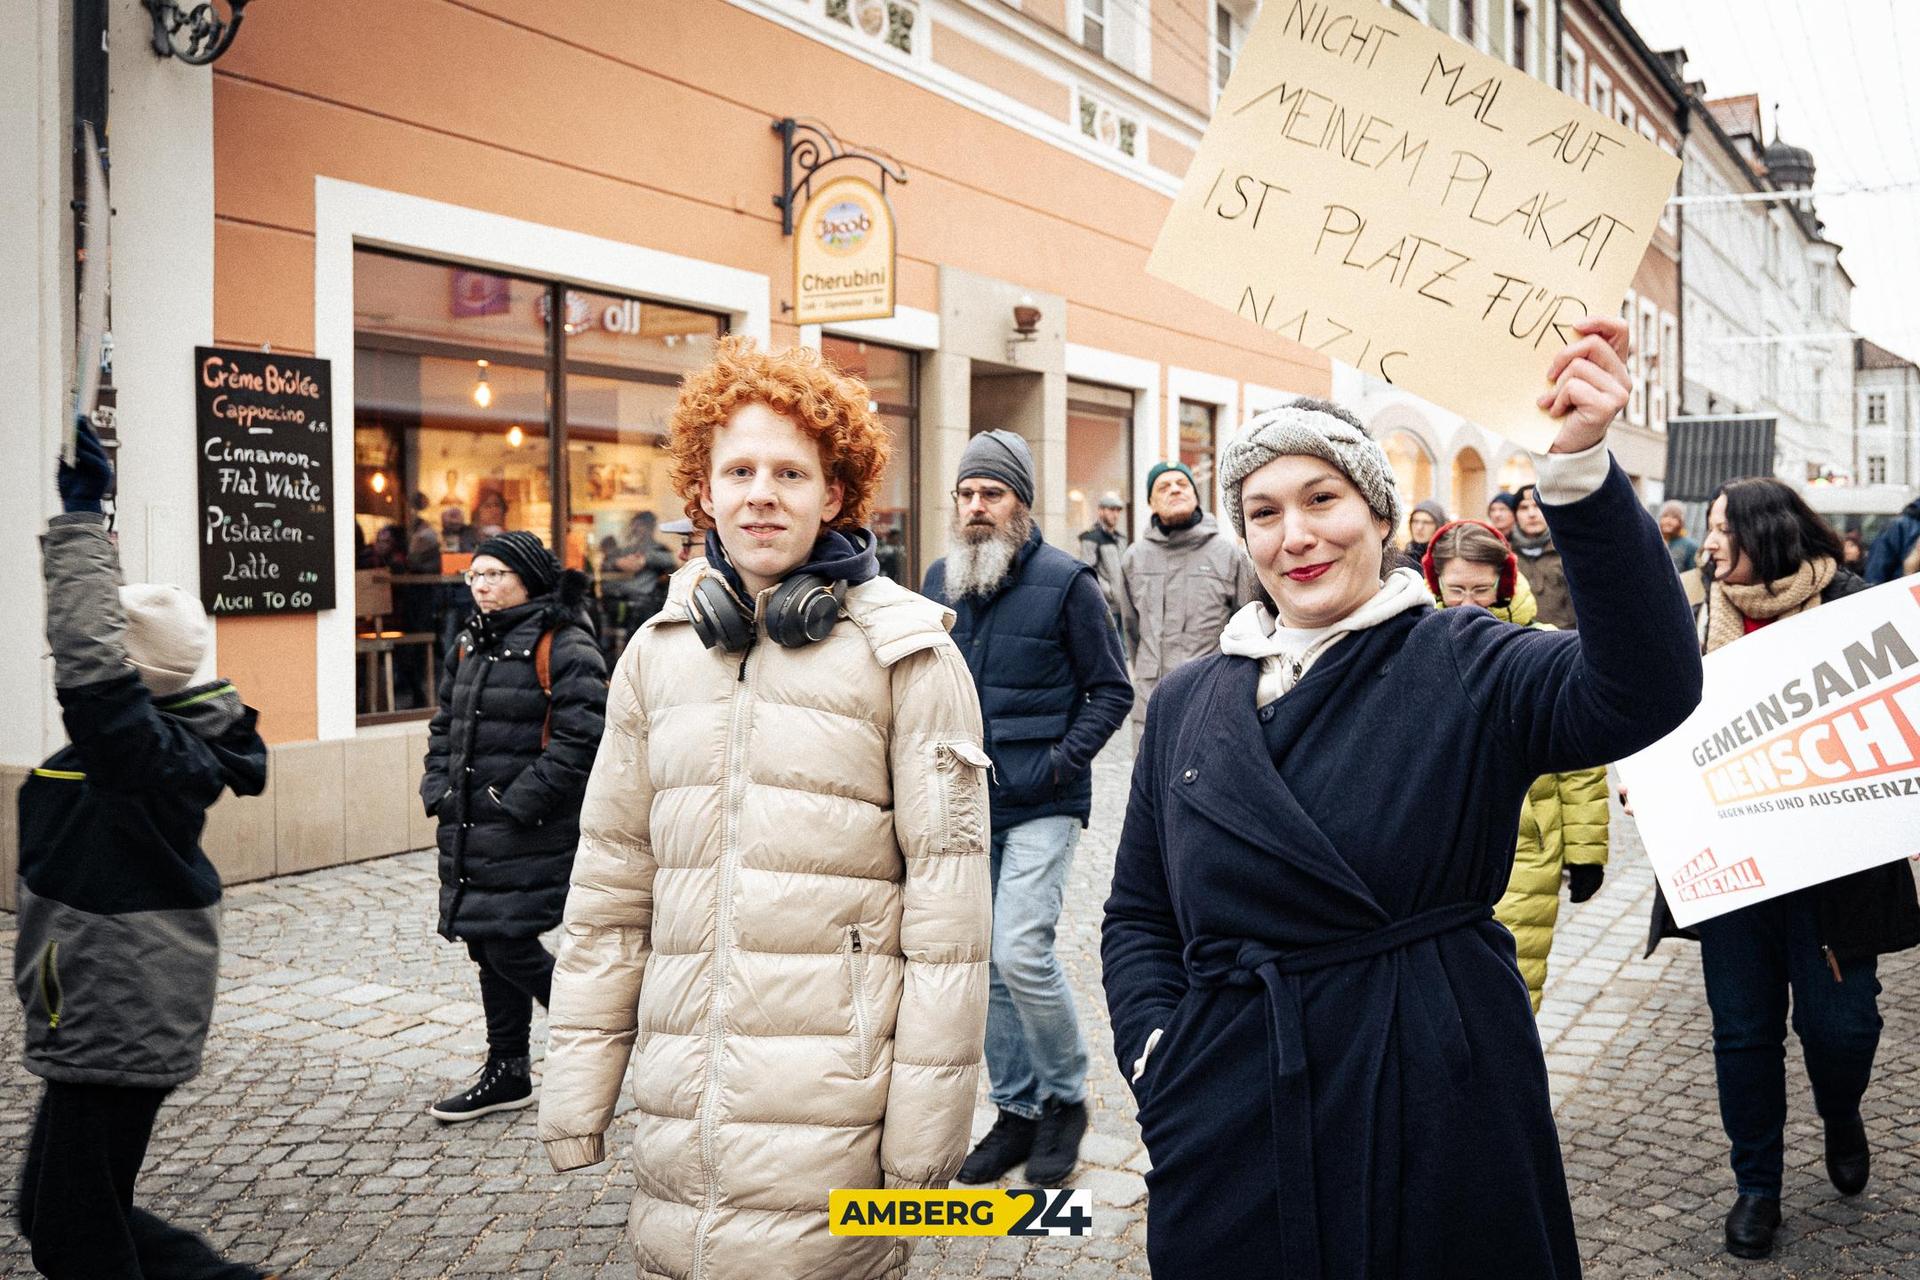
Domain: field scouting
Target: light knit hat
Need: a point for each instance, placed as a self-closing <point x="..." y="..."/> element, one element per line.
<point x="167" y="635"/>
<point x="1318" y="429"/>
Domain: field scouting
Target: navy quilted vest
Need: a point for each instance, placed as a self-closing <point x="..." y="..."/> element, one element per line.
<point x="1015" y="645"/>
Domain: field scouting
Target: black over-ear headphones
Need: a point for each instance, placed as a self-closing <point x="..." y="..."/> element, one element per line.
<point x="801" y="611"/>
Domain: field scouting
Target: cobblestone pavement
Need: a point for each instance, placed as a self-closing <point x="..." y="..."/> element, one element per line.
<point x="305" y="1142"/>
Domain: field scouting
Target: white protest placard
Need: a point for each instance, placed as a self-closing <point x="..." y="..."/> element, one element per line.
<point x="1383" y="194"/>
<point x="1801" y="763"/>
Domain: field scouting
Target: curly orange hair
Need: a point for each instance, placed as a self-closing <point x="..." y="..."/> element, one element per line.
<point x="827" y="404"/>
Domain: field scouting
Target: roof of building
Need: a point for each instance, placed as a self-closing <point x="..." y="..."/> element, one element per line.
<point x="1868" y="354"/>
<point x="1739" y="115"/>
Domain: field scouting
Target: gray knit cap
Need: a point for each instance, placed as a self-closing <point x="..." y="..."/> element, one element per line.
<point x="1002" y="456"/>
<point x="1319" y="429"/>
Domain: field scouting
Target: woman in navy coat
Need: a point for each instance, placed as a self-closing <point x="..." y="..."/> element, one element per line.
<point x="1331" y="1045"/>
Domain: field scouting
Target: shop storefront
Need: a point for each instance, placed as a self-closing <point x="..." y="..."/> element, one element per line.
<point x="505" y="295"/>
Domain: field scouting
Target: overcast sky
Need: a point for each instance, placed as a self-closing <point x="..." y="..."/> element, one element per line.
<point x="1841" y="73"/>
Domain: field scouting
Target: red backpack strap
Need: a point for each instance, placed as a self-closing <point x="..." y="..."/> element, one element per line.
<point x="543" y="669"/>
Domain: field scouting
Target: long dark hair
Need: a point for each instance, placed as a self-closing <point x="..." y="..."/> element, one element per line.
<point x="1775" y="528"/>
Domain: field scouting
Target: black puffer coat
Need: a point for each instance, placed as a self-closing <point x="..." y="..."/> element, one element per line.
<point x="509" y="811"/>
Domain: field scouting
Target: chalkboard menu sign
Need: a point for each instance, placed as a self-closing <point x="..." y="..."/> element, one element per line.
<point x="266" y="481"/>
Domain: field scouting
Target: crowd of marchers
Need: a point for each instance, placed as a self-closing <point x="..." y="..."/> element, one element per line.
<point x="1321" y="977"/>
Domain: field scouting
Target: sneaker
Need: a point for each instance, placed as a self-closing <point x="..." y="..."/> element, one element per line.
<point x="505" y="1084"/>
<point x="1849" y="1158"/>
<point x="1005" y="1146"/>
<point x="1056" y="1143"/>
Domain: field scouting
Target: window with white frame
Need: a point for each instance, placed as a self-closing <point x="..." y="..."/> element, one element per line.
<point x="1467" y="27"/>
<point x="1229" y="32"/>
<point x="1573" y="72"/>
<point x="893" y="24"/>
<point x="1093" y="26"/>
<point x="1629" y="312"/>
<point x="1670" y="212"/>
<point x="1876" y="469"/>
<point x="1600" y="96"/>
<point x="1520" y="36"/>
<point x="1669" y="365"/>
<point x="1646" y="338"/>
<point x="1115" y="30"/>
<point x="1876" y="408"/>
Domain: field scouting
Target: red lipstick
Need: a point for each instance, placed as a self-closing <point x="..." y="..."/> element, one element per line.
<point x="1307" y="573"/>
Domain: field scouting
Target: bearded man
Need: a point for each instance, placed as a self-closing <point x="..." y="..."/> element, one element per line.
<point x="1038" y="636"/>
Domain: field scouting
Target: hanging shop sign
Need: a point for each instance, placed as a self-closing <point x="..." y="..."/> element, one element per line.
<point x="843" y="261"/>
<point x="265" y="444"/>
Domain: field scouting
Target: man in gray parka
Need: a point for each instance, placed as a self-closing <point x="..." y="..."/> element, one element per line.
<point x="1179" y="585"/>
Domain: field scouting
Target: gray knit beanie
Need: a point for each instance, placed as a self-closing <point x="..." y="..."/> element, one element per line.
<point x="1319" y="429"/>
<point x="1002" y="456"/>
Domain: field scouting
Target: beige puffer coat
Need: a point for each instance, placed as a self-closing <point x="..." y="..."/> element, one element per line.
<point x="780" y="912"/>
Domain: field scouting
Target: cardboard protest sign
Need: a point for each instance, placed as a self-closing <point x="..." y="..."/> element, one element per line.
<point x="1801" y="763"/>
<point x="1381" y="193"/>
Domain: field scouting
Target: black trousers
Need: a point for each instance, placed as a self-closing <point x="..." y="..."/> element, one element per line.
<point x="514" y="972"/>
<point x="76" y="1193"/>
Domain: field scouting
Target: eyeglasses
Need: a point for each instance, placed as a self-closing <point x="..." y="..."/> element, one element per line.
<point x="988" y="494"/>
<point x="1453" y="594"/>
<point x="492" y="577"/>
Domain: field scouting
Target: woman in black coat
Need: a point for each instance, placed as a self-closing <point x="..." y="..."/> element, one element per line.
<point x="1768" y="557"/>
<point x="1332" y="1047"/>
<point x="521" y="709"/>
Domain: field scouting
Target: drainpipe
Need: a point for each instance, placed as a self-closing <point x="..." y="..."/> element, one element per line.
<point x="1680" y="263"/>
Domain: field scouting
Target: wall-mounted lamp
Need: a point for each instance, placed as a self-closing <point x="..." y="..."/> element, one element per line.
<point x="482" y="391"/>
<point x="206" y="36"/>
<point x="1026" y="325"/>
<point x="515" y="436"/>
<point x="379" y="482"/>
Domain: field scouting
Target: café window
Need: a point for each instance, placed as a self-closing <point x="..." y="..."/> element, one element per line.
<point x="1099" y="452"/>
<point x="893" y="381"/>
<point x="486" y="402"/>
<point x="1198" y="441"/>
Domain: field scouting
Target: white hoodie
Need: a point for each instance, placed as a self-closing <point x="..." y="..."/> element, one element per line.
<point x="1286" y="653"/>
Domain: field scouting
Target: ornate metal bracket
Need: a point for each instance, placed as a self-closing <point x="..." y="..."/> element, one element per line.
<point x="807" y="147"/>
<point x="207" y="36"/>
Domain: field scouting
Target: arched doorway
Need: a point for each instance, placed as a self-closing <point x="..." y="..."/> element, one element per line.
<point x="1412" y="468"/>
<point x="1516" y="472"/>
<point x="1469" y="483"/>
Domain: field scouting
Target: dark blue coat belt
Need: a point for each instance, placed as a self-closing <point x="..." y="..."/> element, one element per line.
<point x="1238" y="962"/>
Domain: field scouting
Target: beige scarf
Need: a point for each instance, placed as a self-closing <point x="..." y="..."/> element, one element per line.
<point x="1731" y="605"/>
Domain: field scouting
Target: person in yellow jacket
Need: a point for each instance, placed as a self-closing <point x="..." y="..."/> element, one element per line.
<point x="1563" y="824"/>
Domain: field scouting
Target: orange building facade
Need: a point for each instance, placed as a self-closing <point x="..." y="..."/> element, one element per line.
<point x="510" y="227"/>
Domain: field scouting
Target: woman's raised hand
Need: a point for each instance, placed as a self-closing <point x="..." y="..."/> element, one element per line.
<point x="1589" y="379"/>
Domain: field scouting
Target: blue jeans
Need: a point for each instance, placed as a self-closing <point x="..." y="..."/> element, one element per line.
<point x="1752" y="958"/>
<point x="1035" y="1052"/>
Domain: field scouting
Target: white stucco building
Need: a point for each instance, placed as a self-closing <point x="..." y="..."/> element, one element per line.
<point x="1886" y="433"/>
<point x="1766" y="303"/>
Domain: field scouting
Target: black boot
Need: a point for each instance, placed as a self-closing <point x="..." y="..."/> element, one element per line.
<point x="1005" y="1146"/>
<point x="1751" y="1224"/>
<point x="1056" y="1143"/>
<point x="1848" y="1156"/>
<point x="505" y="1084"/>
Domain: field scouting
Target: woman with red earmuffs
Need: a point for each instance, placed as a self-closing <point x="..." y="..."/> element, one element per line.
<point x="1563" y="824"/>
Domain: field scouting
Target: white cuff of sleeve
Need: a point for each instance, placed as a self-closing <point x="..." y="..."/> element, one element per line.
<point x="1569" y="477"/>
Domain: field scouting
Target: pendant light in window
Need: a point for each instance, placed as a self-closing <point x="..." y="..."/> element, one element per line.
<point x="482" y="391"/>
<point x="515" y="436"/>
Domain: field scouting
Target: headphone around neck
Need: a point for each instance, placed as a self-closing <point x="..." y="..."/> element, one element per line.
<point x="1509" y="568"/>
<point x="800" y="611"/>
